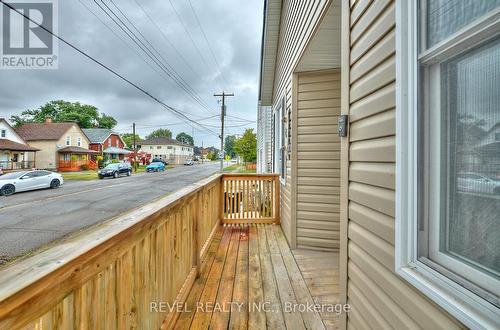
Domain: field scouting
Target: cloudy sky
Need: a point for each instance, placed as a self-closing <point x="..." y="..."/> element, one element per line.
<point x="233" y="29"/>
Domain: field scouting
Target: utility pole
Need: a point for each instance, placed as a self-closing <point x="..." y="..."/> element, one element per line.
<point x="222" y="114"/>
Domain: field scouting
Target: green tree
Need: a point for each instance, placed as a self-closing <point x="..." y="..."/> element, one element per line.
<point x="85" y="115"/>
<point x="212" y="155"/>
<point x="246" y="146"/>
<point x="229" y="142"/>
<point x="161" y="132"/>
<point x="128" y="138"/>
<point x="185" y="138"/>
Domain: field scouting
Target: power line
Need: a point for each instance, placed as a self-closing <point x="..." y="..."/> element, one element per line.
<point x="188" y="33"/>
<point x="166" y="38"/>
<point x="163" y="65"/>
<point x="166" y="106"/>
<point x="208" y="43"/>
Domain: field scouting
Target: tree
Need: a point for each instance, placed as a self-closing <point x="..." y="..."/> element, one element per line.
<point x="229" y="142"/>
<point x="185" y="138"/>
<point x="212" y="155"/>
<point x="161" y="132"/>
<point x="246" y="146"/>
<point x="85" y="115"/>
<point x="128" y="138"/>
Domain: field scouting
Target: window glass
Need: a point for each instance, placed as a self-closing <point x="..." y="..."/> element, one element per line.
<point x="3" y="133"/>
<point x="459" y="153"/>
<point x="445" y="17"/>
<point x="471" y="103"/>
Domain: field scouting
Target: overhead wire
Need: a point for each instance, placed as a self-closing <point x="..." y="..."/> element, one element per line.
<point x="114" y="72"/>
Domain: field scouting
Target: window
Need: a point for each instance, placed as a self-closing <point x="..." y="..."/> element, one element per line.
<point x="158" y="147"/>
<point x="109" y="142"/>
<point x="448" y="164"/>
<point x="151" y="147"/>
<point x="169" y="147"/>
<point x="3" y="133"/>
<point x="68" y="140"/>
<point x="79" y="141"/>
<point x="279" y="157"/>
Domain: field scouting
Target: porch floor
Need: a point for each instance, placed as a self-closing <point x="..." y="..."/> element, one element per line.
<point x="251" y="279"/>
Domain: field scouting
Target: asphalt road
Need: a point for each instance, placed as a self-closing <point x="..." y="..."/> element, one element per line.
<point x="32" y="219"/>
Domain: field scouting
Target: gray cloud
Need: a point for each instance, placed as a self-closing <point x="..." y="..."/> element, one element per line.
<point x="233" y="29"/>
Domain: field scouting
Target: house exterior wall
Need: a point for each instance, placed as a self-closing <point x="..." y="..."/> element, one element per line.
<point x="74" y="132"/>
<point x="299" y="19"/>
<point x="379" y="298"/>
<point x="45" y="158"/>
<point x="113" y="140"/>
<point x="10" y="134"/>
<point x="318" y="160"/>
<point x="172" y="153"/>
<point x="264" y="152"/>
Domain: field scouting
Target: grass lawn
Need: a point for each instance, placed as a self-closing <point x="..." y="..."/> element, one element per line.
<point x="238" y="169"/>
<point x="83" y="175"/>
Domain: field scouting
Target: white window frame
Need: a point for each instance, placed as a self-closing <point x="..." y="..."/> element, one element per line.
<point x="469" y="308"/>
<point x="68" y="140"/>
<point x="3" y="133"/>
<point x="280" y="140"/>
<point x="79" y="141"/>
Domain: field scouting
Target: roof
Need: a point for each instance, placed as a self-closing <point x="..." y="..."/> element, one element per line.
<point x="162" y="141"/>
<point x="269" y="50"/>
<point x="98" y="135"/>
<point x="43" y="131"/>
<point x="6" y="144"/>
<point x="115" y="150"/>
<point x="77" y="150"/>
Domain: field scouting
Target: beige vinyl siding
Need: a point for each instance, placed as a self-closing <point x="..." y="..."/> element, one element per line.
<point x="318" y="160"/>
<point x="299" y="19"/>
<point x="379" y="298"/>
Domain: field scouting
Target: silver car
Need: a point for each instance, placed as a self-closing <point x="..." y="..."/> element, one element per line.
<point x="477" y="183"/>
<point x="29" y="180"/>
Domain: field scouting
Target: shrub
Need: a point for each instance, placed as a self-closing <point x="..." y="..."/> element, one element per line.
<point x="84" y="167"/>
<point x="115" y="161"/>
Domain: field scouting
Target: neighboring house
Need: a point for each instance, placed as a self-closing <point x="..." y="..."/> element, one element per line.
<point x="14" y="150"/>
<point x="414" y="251"/>
<point x="108" y="143"/>
<point x="63" y="146"/>
<point x="264" y="152"/>
<point x="167" y="149"/>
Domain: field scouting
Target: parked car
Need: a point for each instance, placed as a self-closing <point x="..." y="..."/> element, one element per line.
<point x="159" y="160"/>
<point x="234" y="161"/>
<point x="114" y="170"/>
<point x="29" y="180"/>
<point x="477" y="183"/>
<point x="188" y="162"/>
<point x="155" y="167"/>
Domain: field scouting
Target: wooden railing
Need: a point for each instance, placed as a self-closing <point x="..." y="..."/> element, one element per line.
<point x="109" y="277"/>
<point x="251" y="198"/>
<point x="22" y="165"/>
<point x="135" y="270"/>
<point x="76" y="165"/>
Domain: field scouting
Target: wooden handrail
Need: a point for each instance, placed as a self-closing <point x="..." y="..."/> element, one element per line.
<point x="148" y="255"/>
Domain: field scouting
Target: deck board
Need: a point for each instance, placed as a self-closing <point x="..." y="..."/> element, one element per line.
<point x="249" y="275"/>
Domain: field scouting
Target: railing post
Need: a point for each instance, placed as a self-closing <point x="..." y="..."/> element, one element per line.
<point x="197" y="217"/>
<point x="221" y="204"/>
<point x="277" y="198"/>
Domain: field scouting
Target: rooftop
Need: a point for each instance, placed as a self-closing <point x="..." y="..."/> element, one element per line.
<point x="43" y="131"/>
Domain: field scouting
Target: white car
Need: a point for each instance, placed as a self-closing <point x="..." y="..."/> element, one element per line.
<point x="29" y="180"/>
<point x="477" y="183"/>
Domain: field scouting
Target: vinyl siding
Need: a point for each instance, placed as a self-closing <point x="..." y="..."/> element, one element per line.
<point x="379" y="298"/>
<point x="298" y="21"/>
<point x="318" y="160"/>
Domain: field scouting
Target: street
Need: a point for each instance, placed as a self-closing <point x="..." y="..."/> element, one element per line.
<point x="32" y="219"/>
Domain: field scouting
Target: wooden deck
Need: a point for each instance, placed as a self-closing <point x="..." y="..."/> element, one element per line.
<point x="250" y="278"/>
